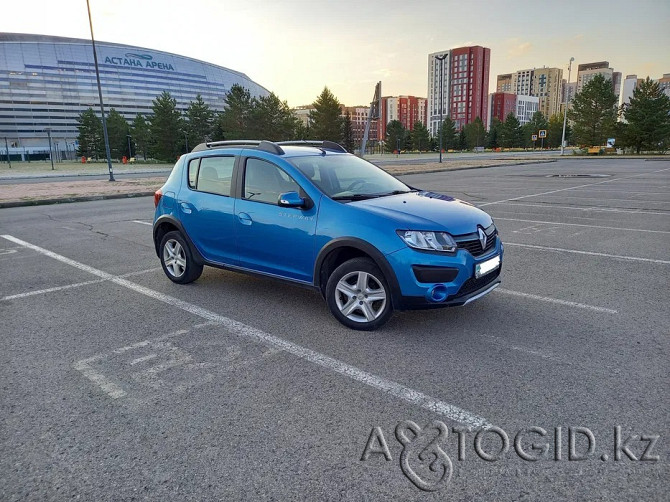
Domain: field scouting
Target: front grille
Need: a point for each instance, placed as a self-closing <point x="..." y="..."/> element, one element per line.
<point x="473" y="284"/>
<point x="471" y="242"/>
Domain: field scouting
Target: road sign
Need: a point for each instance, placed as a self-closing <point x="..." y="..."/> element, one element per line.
<point x="610" y="142"/>
<point x="533" y="137"/>
<point x="543" y="133"/>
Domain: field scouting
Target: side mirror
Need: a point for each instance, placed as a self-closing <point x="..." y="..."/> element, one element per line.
<point x="291" y="199"/>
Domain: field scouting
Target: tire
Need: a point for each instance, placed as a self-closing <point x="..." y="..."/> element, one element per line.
<point x="350" y="291"/>
<point x="177" y="259"/>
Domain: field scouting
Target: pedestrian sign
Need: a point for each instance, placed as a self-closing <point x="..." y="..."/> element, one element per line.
<point x="543" y="133"/>
<point x="533" y="137"/>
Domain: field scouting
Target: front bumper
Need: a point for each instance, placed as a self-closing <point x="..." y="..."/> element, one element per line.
<point x="463" y="287"/>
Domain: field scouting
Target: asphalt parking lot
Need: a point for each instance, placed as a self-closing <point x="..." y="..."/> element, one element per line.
<point x="119" y="385"/>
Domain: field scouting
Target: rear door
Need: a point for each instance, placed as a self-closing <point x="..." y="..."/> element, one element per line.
<point x="273" y="239"/>
<point x="206" y="207"/>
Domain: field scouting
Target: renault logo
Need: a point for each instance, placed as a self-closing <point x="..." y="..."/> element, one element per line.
<point x="482" y="237"/>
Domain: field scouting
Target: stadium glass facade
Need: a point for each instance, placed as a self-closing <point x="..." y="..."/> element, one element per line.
<point x="46" y="82"/>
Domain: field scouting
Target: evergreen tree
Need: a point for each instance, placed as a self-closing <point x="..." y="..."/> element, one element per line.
<point x="395" y="136"/>
<point x="325" y="119"/>
<point x="594" y="112"/>
<point x="420" y="137"/>
<point x="117" y="133"/>
<point x="536" y="124"/>
<point x="140" y="134"/>
<point x="493" y="136"/>
<point x="462" y="141"/>
<point x="348" y="133"/>
<point x="555" y="131"/>
<point x="166" y="128"/>
<point x="449" y="135"/>
<point x="90" y="138"/>
<point x="475" y="133"/>
<point x="234" y="121"/>
<point x="648" y="116"/>
<point x="272" y="119"/>
<point x="511" y="132"/>
<point x="199" y="122"/>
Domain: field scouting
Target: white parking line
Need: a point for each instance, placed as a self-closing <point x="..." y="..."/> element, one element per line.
<point x="572" y="188"/>
<point x="549" y="205"/>
<point x="70" y="286"/>
<point x="584" y="225"/>
<point x="565" y="303"/>
<point x="590" y="253"/>
<point x="387" y="386"/>
<point x="143" y="222"/>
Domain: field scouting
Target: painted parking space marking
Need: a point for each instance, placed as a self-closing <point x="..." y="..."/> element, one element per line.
<point x="556" y="301"/>
<point x="588" y="253"/>
<point x="143" y="222"/>
<point x="75" y="285"/>
<point x="384" y="385"/>
<point x="584" y="225"/>
<point x="549" y="205"/>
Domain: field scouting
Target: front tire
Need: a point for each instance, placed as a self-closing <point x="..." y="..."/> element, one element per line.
<point x="177" y="259"/>
<point x="358" y="295"/>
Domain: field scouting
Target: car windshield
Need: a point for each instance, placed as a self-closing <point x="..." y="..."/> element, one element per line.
<point x="347" y="177"/>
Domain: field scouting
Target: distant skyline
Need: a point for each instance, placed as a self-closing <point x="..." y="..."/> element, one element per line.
<point x="295" y="48"/>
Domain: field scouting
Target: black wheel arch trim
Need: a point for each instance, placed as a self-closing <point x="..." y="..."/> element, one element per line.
<point x="200" y="260"/>
<point x="367" y="248"/>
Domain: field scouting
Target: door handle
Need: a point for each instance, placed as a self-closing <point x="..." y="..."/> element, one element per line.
<point x="244" y="218"/>
<point x="186" y="207"/>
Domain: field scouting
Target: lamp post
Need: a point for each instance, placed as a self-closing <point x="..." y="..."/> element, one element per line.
<point x="51" y="157"/>
<point x="102" y="106"/>
<point x="9" y="161"/>
<point x="565" y="112"/>
<point x="186" y="140"/>
<point x="439" y="127"/>
<point x="130" y="151"/>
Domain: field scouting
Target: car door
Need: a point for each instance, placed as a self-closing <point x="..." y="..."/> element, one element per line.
<point x="206" y="207"/>
<point x="272" y="239"/>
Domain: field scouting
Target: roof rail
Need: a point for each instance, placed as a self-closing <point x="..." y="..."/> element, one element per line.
<point x="266" y="146"/>
<point x="328" y="145"/>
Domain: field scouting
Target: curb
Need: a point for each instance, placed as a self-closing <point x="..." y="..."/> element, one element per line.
<point x="74" y="175"/>
<point x="405" y="173"/>
<point x="64" y="200"/>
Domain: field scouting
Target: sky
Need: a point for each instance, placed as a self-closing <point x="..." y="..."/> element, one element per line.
<point x="295" y="48"/>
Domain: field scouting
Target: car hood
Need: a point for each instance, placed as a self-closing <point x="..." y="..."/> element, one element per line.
<point x="428" y="211"/>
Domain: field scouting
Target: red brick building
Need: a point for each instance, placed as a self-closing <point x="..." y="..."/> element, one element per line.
<point x="407" y="109"/>
<point x="469" y="84"/>
<point x="502" y="104"/>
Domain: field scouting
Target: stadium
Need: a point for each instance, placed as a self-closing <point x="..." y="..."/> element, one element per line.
<point x="46" y="82"/>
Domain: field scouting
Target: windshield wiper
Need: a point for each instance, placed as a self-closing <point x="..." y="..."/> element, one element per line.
<point x="357" y="196"/>
<point x="396" y="192"/>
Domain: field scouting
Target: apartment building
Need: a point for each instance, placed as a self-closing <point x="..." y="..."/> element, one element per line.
<point x="407" y="109"/>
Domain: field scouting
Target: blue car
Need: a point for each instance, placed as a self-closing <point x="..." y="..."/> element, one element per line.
<point x="312" y="214"/>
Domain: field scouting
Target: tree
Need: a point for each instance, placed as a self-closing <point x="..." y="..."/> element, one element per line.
<point x="493" y="136"/>
<point x="117" y="133"/>
<point x="199" y="122"/>
<point x="348" y="133"/>
<point x="91" y="141"/>
<point x="462" y="141"/>
<point x="475" y="133"/>
<point x="555" y="131"/>
<point x="139" y="132"/>
<point x="648" y="117"/>
<point x="449" y="135"/>
<point x="395" y="136"/>
<point x="234" y="121"/>
<point x="511" y="132"/>
<point x="536" y="124"/>
<point x="420" y="137"/>
<point x="272" y="119"/>
<point x="325" y="119"/>
<point x="166" y="127"/>
<point x="594" y="112"/>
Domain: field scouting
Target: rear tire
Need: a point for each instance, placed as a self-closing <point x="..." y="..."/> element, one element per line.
<point x="358" y="295"/>
<point x="177" y="259"/>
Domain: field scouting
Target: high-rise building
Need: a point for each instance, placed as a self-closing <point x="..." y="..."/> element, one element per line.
<point x="504" y="83"/>
<point x="359" y="117"/>
<point x="526" y="106"/>
<point x="501" y="105"/>
<point x="407" y="109"/>
<point x="585" y="72"/>
<point x="463" y="77"/>
<point x="547" y="86"/>
<point x="664" y="83"/>
<point x="629" y="85"/>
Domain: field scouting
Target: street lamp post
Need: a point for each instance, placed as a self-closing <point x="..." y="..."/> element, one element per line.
<point x="130" y="151"/>
<point x="102" y="106"/>
<point x="51" y="157"/>
<point x="439" y="127"/>
<point x="565" y="111"/>
<point x="186" y="140"/>
<point x="9" y="161"/>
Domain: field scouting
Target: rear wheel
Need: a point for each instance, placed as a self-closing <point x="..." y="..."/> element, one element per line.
<point x="177" y="259"/>
<point x="358" y="295"/>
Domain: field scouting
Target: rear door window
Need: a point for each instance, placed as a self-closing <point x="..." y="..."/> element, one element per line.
<point x="214" y="175"/>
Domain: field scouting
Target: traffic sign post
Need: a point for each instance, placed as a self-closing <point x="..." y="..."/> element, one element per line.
<point x="543" y="134"/>
<point x="533" y="137"/>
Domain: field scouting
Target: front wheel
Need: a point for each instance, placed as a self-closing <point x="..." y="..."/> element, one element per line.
<point x="358" y="295"/>
<point x="177" y="259"/>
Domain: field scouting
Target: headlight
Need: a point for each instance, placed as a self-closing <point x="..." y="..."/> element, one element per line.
<point x="428" y="241"/>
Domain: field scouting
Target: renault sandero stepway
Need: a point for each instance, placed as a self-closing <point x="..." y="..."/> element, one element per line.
<point x="313" y="214"/>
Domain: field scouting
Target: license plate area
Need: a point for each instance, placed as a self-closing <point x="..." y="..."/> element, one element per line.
<point x="486" y="267"/>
